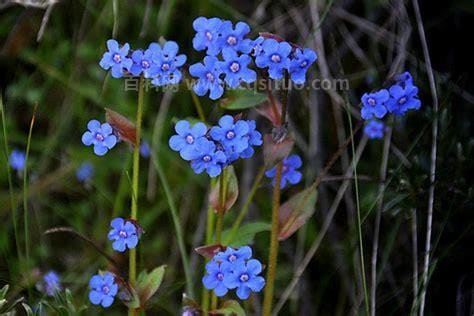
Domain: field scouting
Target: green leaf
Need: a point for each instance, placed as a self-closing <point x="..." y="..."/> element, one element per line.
<point x="148" y="283"/>
<point x="29" y="311"/>
<point x="274" y="152"/>
<point x="231" y="186"/>
<point x="243" y="99"/>
<point x="4" y="291"/>
<point x="246" y="234"/>
<point x="230" y="308"/>
<point x="296" y="211"/>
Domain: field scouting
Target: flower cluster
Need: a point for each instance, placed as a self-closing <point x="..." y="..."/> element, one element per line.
<point x="159" y="63"/>
<point x="213" y="149"/>
<point x="230" y="42"/>
<point x="234" y="269"/>
<point x="17" y="160"/>
<point x="289" y="174"/>
<point x="103" y="289"/>
<point x="398" y="99"/>
<point x="124" y="234"/>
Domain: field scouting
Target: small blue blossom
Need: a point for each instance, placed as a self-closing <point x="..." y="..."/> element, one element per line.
<point x="374" y="129"/>
<point x="186" y="140"/>
<point x="145" y="150"/>
<point x="116" y="58"/>
<point x="103" y="289"/>
<point x="299" y="64"/>
<point x="168" y="63"/>
<point x="288" y="172"/>
<point x="208" y="74"/>
<point x="232" y="136"/>
<point x="256" y="45"/>
<point x="255" y="139"/>
<point x="143" y="61"/>
<point x="373" y="104"/>
<point x="234" y="256"/>
<point x="275" y="57"/>
<point x="207" y="33"/>
<point x="245" y="277"/>
<point x="216" y="272"/>
<point x="404" y="79"/>
<point x="123" y="234"/>
<point x="85" y="172"/>
<point x="101" y="136"/>
<point x="234" y="38"/>
<point x="208" y="158"/>
<point x="403" y="99"/>
<point x="17" y="160"/>
<point x="51" y="283"/>
<point x="236" y="68"/>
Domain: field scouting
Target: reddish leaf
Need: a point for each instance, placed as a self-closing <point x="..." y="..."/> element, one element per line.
<point x="277" y="38"/>
<point x="149" y="283"/>
<point x="276" y="150"/>
<point x="123" y="126"/>
<point x="231" y="193"/>
<point x="273" y="114"/>
<point x="296" y="211"/>
<point x="209" y="251"/>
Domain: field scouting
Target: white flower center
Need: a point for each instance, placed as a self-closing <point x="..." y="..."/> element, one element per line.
<point x="304" y="64"/>
<point x="210" y="77"/>
<point x="220" y="276"/>
<point x="123" y="234"/>
<point x="117" y="58"/>
<point x="165" y="67"/>
<point x="232" y="258"/>
<point x="276" y="58"/>
<point x="189" y="139"/>
<point x="208" y="36"/>
<point x="371" y="101"/>
<point x="234" y="67"/>
<point x="230" y="134"/>
<point x="206" y="158"/>
<point x="145" y="64"/>
<point x="232" y="40"/>
<point x="402" y="100"/>
<point x="244" y="277"/>
<point x="105" y="289"/>
<point x="99" y="137"/>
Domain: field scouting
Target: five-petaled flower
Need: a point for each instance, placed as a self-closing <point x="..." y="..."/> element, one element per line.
<point x="144" y="61"/>
<point x="215" y="274"/>
<point x="208" y="158"/>
<point x="245" y="277"/>
<point x="17" y="160"/>
<point x="207" y="33"/>
<point x="185" y="141"/>
<point x="373" y="104"/>
<point x="103" y="289"/>
<point x="288" y="171"/>
<point x="236" y="68"/>
<point x="232" y="136"/>
<point x="116" y="58"/>
<point x="232" y="255"/>
<point x="168" y="62"/>
<point x="403" y="99"/>
<point x="374" y="129"/>
<point x="275" y="56"/>
<point x="51" y="283"/>
<point x="208" y="78"/>
<point x="254" y="137"/>
<point x="299" y="64"/>
<point x="234" y="38"/>
<point x="99" y="135"/>
<point x="124" y="234"/>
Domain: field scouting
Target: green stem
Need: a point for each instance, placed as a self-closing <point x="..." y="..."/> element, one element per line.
<point x="246" y="206"/>
<point x="198" y="106"/>
<point x="10" y="182"/>
<point x="132" y="274"/>
<point x="272" y="259"/>
<point x="209" y="234"/>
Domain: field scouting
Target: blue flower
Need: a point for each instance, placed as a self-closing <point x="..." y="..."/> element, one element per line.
<point x="256" y="46"/>
<point x="404" y="79"/>
<point x="289" y="172"/>
<point x="168" y="63"/>
<point x="103" y="289"/>
<point x="236" y="68"/>
<point x="116" y="58"/>
<point x="255" y="139"/>
<point x="123" y="234"/>
<point x="245" y="277"/>
<point x="299" y="64"/>
<point x="186" y="140"/>
<point x="232" y="136"/>
<point x="207" y="33"/>
<point x="373" y="104"/>
<point x="17" y="160"/>
<point x="208" y="74"/>
<point x="143" y="62"/>
<point x="101" y="136"/>
<point x="374" y="129"/>
<point x="234" y="37"/>
<point x="234" y="256"/>
<point x="275" y="57"/>
<point x="85" y="172"/>
<point x="208" y="158"/>
<point x="403" y="99"/>
<point x="51" y="282"/>
<point x="145" y="150"/>
<point x="216" y="272"/>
